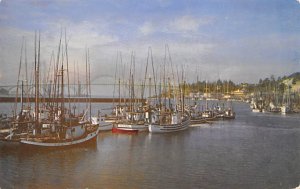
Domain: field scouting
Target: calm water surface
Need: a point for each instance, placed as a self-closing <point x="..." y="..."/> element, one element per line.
<point x="252" y="151"/>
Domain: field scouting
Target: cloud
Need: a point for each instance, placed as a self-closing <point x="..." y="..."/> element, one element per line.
<point x="83" y="34"/>
<point x="181" y="26"/>
<point x="185" y="24"/>
<point x="147" y="28"/>
<point x="79" y="37"/>
<point x="298" y="1"/>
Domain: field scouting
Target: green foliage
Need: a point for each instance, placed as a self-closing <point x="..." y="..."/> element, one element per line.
<point x="265" y="85"/>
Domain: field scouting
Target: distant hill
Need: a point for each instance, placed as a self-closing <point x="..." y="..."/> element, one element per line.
<point x="292" y="80"/>
<point x="295" y="76"/>
<point x="4" y="92"/>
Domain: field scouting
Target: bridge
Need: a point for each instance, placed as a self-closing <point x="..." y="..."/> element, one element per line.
<point x="72" y="99"/>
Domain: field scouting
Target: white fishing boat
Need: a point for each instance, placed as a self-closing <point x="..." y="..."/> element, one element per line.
<point x="169" y="122"/>
<point x="172" y="113"/>
<point x="134" y="121"/>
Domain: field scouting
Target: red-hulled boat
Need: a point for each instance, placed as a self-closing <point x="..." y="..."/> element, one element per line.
<point x="124" y="130"/>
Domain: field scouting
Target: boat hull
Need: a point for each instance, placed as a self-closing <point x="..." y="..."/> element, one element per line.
<point x="198" y="121"/>
<point x="124" y="130"/>
<point x="156" y="128"/>
<point x="139" y="127"/>
<point x="105" y="126"/>
<point x="90" y="138"/>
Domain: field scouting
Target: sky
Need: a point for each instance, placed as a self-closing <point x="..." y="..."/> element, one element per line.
<point x="236" y="40"/>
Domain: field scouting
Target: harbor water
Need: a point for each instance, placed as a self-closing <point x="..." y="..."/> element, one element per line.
<point x="255" y="150"/>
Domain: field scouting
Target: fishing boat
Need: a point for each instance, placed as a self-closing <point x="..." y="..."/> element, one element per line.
<point x="134" y="121"/>
<point x="18" y="127"/>
<point x="139" y="126"/>
<point x="74" y="135"/>
<point x="169" y="122"/>
<point x="196" y="115"/>
<point x="102" y="123"/>
<point x="170" y="119"/>
<point x="171" y="112"/>
<point x="118" y="113"/>
<point x="124" y="130"/>
<point x="132" y="117"/>
<point x="57" y="127"/>
<point x="229" y="114"/>
<point x="224" y="112"/>
<point x="13" y="128"/>
<point x="209" y="115"/>
<point x="198" y="119"/>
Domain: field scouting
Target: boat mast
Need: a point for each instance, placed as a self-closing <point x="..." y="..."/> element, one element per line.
<point x="49" y="86"/>
<point x="37" y="83"/>
<point x="153" y="73"/>
<point x="130" y="88"/>
<point x="26" y="76"/>
<point x="179" y="87"/>
<point x="206" y="103"/>
<point x="119" y="92"/>
<point x="62" y="94"/>
<point x="115" y="79"/>
<point x="74" y="81"/>
<point x="68" y="77"/>
<point x="173" y="76"/>
<point x="145" y="76"/>
<point x="164" y="80"/>
<point x="86" y="79"/>
<point x="18" y="80"/>
<point x="22" y="94"/>
<point x="90" y="91"/>
<point x="56" y="83"/>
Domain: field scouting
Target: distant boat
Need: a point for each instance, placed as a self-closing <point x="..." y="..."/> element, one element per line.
<point x="256" y="110"/>
<point x="102" y="123"/>
<point x="273" y="108"/>
<point x="286" y="102"/>
<point x="105" y="126"/>
<point x="196" y="116"/>
<point x="229" y="114"/>
<point x="209" y="115"/>
<point x="117" y="114"/>
<point x="285" y="109"/>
